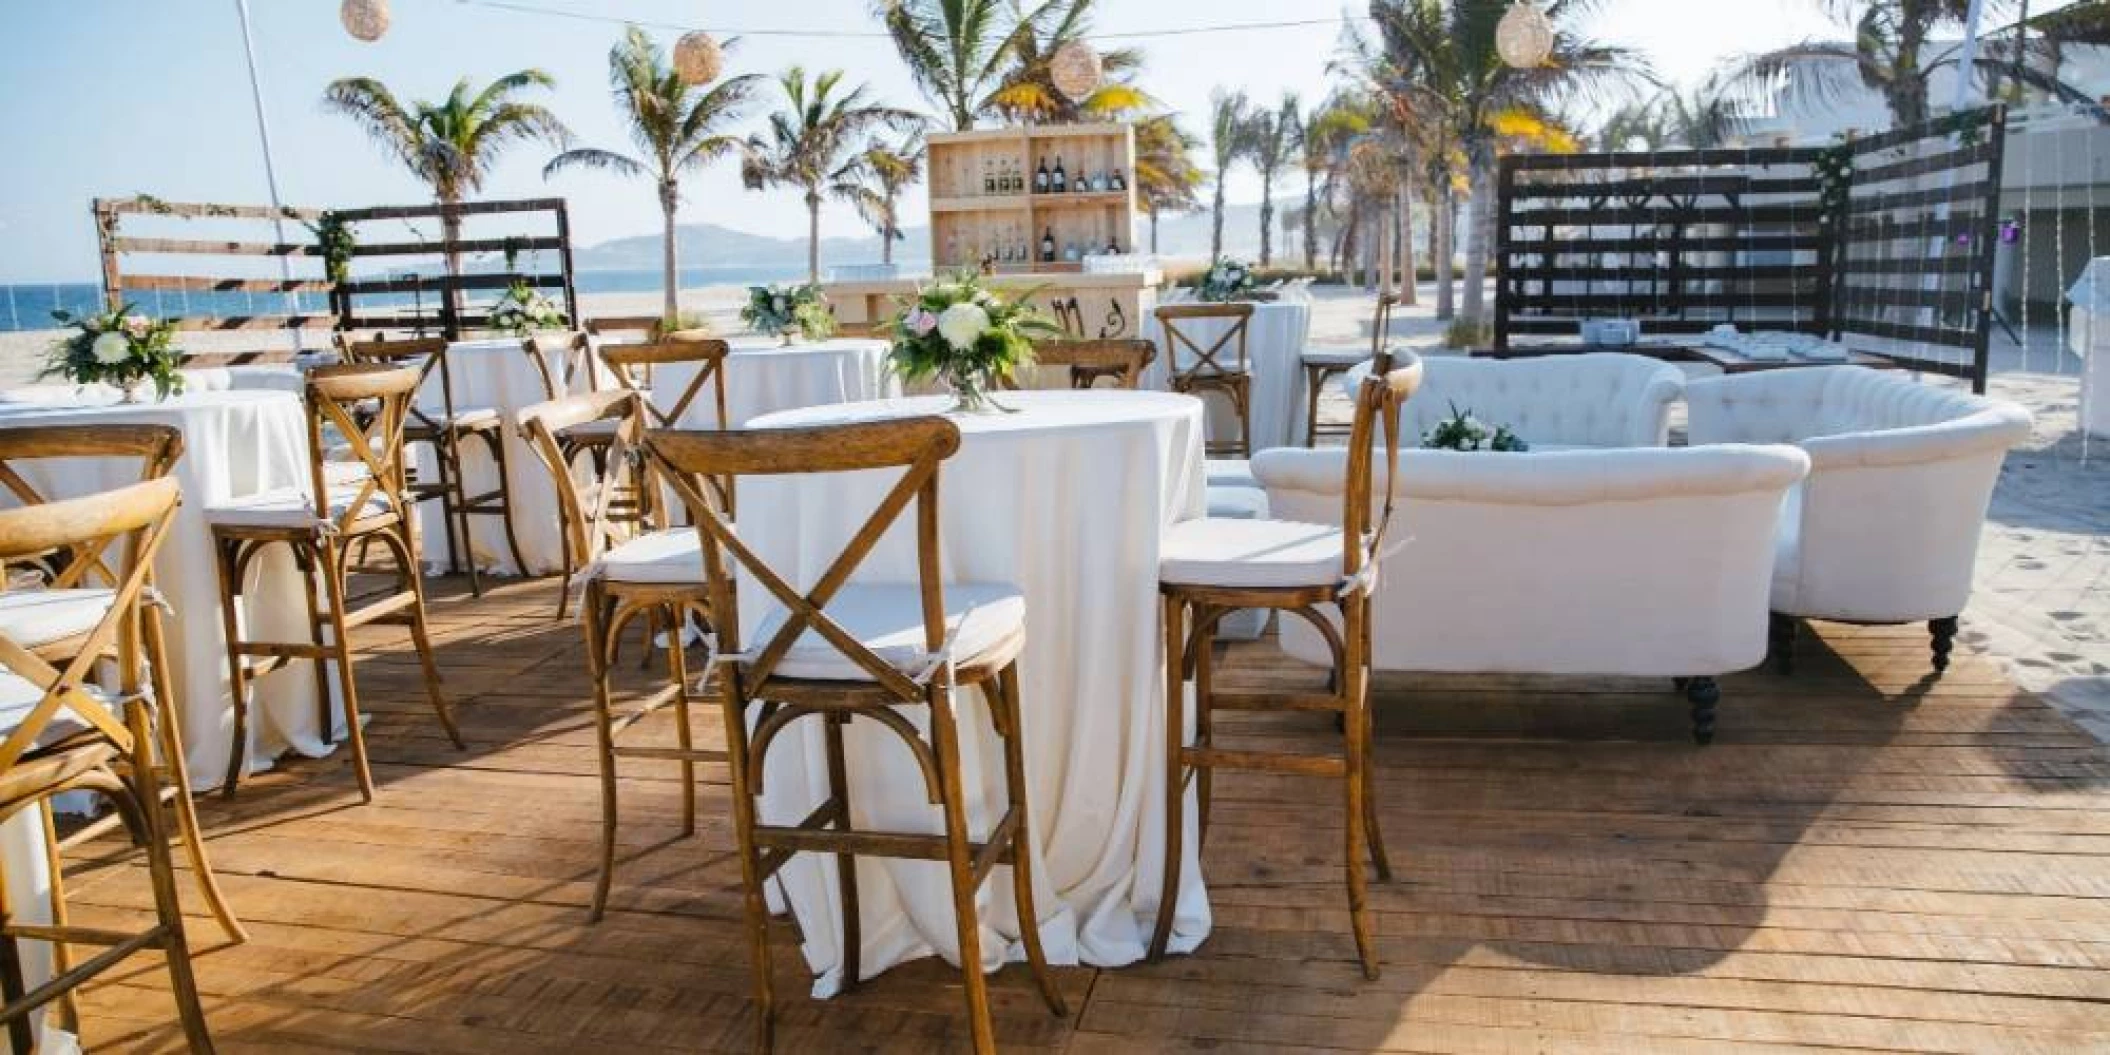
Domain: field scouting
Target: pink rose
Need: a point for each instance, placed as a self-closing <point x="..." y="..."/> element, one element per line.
<point x="136" y="326"/>
<point x="921" y="322"/>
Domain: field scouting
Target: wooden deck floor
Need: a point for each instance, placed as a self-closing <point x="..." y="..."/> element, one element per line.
<point x="1863" y="860"/>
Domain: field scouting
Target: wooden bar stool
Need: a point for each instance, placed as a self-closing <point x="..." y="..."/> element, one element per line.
<point x="321" y="523"/>
<point x="654" y="574"/>
<point x="632" y="366"/>
<point x="62" y="733"/>
<point x="54" y="620"/>
<point x="447" y="429"/>
<point x="1321" y="364"/>
<point x="1319" y="573"/>
<point x="864" y="652"/>
<point x="1090" y="360"/>
<point x="1221" y="368"/>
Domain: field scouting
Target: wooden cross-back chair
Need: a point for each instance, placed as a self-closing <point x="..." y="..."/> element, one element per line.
<point x="1221" y="367"/>
<point x="446" y="429"/>
<point x="837" y="652"/>
<point x="1319" y="573"/>
<point x="65" y="734"/>
<point x="653" y="574"/>
<point x="1123" y="360"/>
<point x="575" y="351"/>
<point x="158" y="447"/>
<point x="1323" y="364"/>
<point x="321" y="523"/>
<point x="633" y="367"/>
<point x="645" y="326"/>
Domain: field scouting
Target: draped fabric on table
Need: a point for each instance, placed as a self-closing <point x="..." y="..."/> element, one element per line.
<point x="1067" y="500"/>
<point x="762" y="377"/>
<point x="1275" y="340"/>
<point x="236" y="444"/>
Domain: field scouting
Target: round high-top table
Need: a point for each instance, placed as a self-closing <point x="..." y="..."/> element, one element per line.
<point x="763" y="375"/>
<point x="1067" y="499"/>
<point x="1275" y="339"/>
<point x="236" y="443"/>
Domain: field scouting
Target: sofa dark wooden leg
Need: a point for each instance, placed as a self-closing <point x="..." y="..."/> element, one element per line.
<point x="1943" y="632"/>
<point x="1703" y="694"/>
<point x="1781" y="643"/>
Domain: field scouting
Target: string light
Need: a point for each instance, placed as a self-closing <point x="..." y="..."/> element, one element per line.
<point x="1076" y="70"/>
<point x="1524" y="37"/>
<point x="851" y="34"/>
<point x="365" y="20"/>
<point x="697" y="58"/>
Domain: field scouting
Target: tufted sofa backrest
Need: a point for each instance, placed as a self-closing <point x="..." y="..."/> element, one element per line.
<point x="1595" y="399"/>
<point x="1791" y="406"/>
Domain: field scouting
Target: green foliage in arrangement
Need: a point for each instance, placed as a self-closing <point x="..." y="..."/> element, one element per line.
<point x="120" y="347"/>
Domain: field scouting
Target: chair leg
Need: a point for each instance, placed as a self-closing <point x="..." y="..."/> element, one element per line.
<point x="1353" y="818"/>
<point x="1373" y="829"/>
<point x="61" y="953"/>
<point x="454" y="507"/>
<point x="331" y="567"/>
<point x="959" y="861"/>
<point x="594" y="612"/>
<point x="755" y="907"/>
<point x="1314" y="380"/>
<point x="168" y="910"/>
<point x="1175" y="774"/>
<point x="845" y="862"/>
<point x="325" y="726"/>
<point x="1943" y="639"/>
<point x="678" y="672"/>
<point x="1780" y="633"/>
<point x="1203" y="647"/>
<point x="1703" y="694"/>
<point x="565" y="567"/>
<point x="497" y="442"/>
<point x="1022" y="842"/>
<point x="227" y="554"/>
<point x="421" y="640"/>
<point x="187" y="829"/>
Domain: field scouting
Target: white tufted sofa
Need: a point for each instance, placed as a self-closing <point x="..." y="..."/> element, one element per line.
<point x="1886" y="528"/>
<point x="1648" y="562"/>
<point x="1594" y="399"/>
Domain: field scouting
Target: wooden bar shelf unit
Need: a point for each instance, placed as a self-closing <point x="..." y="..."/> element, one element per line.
<point x="984" y="203"/>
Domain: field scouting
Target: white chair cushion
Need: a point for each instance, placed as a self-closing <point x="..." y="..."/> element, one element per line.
<point x="1340" y="358"/>
<point x="1255" y="553"/>
<point x="290" y="507"/>
<point x="19" y="696"/>
<point x="30" y="618"/>
<point x="601" y="431"/>
<point x="1229" y="472"/>
<point x="464" y="417"/>
<point x="673" y="556"/>
<point x="345" y="473"/>
<point x="888" y="619"/>
<point x="1238" y="503"/>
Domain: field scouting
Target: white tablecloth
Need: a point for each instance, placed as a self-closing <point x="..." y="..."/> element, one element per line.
<point x="763" y="376"/>
<point x="2088" y="335"/>
<point x="498" y="374"/>
<point x="236" y="443"/>
<point x="1066" y="499"/>
<point x="1275" y="341"/>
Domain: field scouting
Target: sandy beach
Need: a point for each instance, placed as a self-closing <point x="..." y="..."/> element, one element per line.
<point x="2042" y="604"/>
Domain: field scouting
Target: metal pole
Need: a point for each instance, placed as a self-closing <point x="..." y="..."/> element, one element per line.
<point x="263" y="135"/>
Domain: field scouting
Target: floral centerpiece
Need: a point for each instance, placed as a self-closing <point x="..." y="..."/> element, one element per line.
<point x="1464" y="432"/>
<point x="1226" y="279"/>
<point x="958" y="330"/>
<point x="121" y="348"/>
<point x="782" y="311"/>
<point x="522" y="311"/>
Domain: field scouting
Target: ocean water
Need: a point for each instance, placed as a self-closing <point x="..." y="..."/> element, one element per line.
<point x="28" y="306"/>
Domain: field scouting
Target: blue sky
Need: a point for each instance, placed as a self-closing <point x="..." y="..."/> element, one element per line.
<point x="115" y="97"/>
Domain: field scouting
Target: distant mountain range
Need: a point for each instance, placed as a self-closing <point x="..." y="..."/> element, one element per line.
<point x="709" y="245"/>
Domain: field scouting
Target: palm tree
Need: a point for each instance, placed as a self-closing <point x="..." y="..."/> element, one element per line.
<point x="675" y="128"/>
<point x="1028" y="92"/>
<point x="887" y="171"/>
<point x="1441" y="54"/>
<point x="1270" y="137"/>
<point x="1700" y="119"/>
<point x="1897" y="48"/>
<point x="811" y="145"/>
<point x="1321" y="147"/>
<point x="1229" y="118"/>
<point x="452" y="144"/>
<point x="1166" y="175"/>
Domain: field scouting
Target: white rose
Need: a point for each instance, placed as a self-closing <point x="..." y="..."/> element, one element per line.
<point x="111" y="348"/>
<point x="962" y="324"/>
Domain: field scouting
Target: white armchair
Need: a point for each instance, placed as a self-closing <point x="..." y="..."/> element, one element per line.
<point x="1593" y="399"/>
<point x="1886" y="528"/>
<point x="1645" y="562"/>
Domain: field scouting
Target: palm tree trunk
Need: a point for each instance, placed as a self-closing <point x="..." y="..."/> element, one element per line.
<point x="1479" y="225"/>
<point x="1442" y="231"/>
<point x="1153" y="232"/>
<point x="1216" y="222"/>
<point x="670" y="269"/>
<point x="1381" y="219"/>
<point x="886" y="235"/>
<point x="1311" y="220"/>
<point x="450" y="233"/>
<point x="1267" y="216"/>
<point x="1350" y="230"/>
<point x="813" y="236"/>
<point x="1407" y="277"/>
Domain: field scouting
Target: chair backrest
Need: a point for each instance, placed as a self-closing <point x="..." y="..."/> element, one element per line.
<point x="1381" y="322"/>
<point x="158" y="447"/>
<point x="369" y="406"/>
<point x="427" y="354"/>
<point x="134" y="519"/>
<point x="646" y="326"/>
<point x="1089" y="360"/>
<point x="707" y="354"/>
<point x="1225" y="356"/>
<point x="587" y="506"/>
<point x="576" y="353"/>
<point x="916" y="446"/>
<point x="1393" y="377"/>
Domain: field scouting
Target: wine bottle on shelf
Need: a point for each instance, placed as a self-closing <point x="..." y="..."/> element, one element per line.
<point x="988" y="176"/>
<point x="1041" y="178"/>
<point x="1047" y="246"/>
<point x="1120" y="181"/>
<point x="1062" y="179"/>
<point x="1113" y="248"/>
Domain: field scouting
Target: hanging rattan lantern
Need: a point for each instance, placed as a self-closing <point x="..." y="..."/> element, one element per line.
<point x="365" y="20"/>
<point x="697" y="58"/>
<point x="1076" y="70"/>
<point x="1524" y="38"/>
